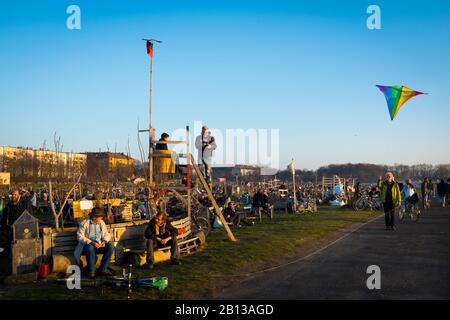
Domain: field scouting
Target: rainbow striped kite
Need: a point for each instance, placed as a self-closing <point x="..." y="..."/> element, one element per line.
<point x="396" y="96"/>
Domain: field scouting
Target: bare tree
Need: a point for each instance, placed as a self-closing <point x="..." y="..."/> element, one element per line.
<point x="57" y="216"/>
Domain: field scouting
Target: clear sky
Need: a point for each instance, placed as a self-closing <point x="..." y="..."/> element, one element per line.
<point x="308" y="68"/>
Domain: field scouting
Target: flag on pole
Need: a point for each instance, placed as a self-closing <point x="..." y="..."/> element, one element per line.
<point x="150" y="48"/>
<point x="292" y="167"/>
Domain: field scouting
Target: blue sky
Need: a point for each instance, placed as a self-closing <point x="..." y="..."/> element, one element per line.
<point x="308" y="68"/>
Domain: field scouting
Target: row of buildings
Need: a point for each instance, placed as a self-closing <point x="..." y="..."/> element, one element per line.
<point x="27" y="164"/>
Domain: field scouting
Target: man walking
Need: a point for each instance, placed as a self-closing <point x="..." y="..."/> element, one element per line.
<point x="447" y="196"/>
<point x="205" y="145"/>
<point x="425" y="189"/>
<point x="390" y="199"/>
<point x="441" y="192"/>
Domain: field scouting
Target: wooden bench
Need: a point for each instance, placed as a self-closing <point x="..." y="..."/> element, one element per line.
<point x="127" y="239"/>
<point x="58" y="247"/>
<point x="187" y="242"/>
<point x="257" y="213"/>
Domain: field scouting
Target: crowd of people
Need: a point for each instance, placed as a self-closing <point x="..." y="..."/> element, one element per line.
<point x="94" y="238"/>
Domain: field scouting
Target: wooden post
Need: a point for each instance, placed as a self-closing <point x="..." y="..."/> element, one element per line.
<point x="47" y="244"/>
<point x="188" y="172"/>
<point x="323" y="186"/>
<point x="293" y="182"/>
<point x="150" y="145"/>
<point x="213" y="201"/>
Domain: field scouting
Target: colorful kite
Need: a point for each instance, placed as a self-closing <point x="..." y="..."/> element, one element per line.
<point x="396" y="96"/>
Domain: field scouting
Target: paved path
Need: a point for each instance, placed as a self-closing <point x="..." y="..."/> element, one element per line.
<point x="414" y="262"/>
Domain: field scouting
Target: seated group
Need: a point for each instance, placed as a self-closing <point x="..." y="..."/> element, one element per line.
<point x="94" y="238"/>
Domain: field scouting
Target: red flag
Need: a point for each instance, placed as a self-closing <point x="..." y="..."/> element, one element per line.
<point x="150" y="48"/>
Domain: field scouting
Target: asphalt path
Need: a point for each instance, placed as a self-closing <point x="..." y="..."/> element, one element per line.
<point x="414" y="263"/>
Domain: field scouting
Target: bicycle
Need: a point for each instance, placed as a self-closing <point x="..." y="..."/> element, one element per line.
<point x="365" y="202"/>
<point x="411" y="208"/>
<point x="200" y="222"/>
<point x="308" y="206"/>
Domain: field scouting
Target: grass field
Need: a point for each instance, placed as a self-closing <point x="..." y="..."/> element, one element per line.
<point x="258" y="246"/>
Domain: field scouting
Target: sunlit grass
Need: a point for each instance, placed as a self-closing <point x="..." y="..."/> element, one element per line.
<point x="257" y="245"/>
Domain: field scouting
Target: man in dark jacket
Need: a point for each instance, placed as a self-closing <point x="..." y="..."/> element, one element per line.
<point x="160" y="233"/>
<point x="260" y="199"/>
<point x="15" y="207"/>
<point x="162" y="146"/>
<point x="447" y="196"/>
<point x="441" y="192"/>
<point x="230" y="214"/>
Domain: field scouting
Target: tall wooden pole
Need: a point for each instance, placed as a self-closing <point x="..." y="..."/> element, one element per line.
<point x="295" y="189"/>
<point x="188" y="172"/>
<point x="150" y="146"/>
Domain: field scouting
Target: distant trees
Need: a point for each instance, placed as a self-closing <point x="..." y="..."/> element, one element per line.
<point x="364" y="172"/>
<point x="367" y="172"/>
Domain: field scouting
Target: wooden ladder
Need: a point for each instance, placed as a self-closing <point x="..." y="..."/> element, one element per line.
<point x="211" y="197"/>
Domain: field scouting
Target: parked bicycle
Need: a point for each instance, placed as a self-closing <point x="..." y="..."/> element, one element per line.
<point x="200" y="222"/>
<point x="365" y="202"/>
<point x="308" y="206"/>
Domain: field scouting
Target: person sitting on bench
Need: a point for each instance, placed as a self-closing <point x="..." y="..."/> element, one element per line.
<point x="230" y="214"/>
<point x="93" y="238"/>
<point x="159" y="234"/>
<point x="261" y="200"/>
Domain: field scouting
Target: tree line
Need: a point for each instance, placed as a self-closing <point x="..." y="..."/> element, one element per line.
<point x="368" y="172"/>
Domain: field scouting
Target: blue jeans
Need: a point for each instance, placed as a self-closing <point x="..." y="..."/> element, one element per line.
<point x="207" y="171"/>
<point x="405" y="203"/>
<point x="91" y="256"/>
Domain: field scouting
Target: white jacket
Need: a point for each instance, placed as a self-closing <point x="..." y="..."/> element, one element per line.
<point x="205" y="154"/>
<point x="408" y="191"/>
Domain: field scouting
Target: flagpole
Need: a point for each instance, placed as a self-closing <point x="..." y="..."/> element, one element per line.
<point x="151" y="132"/>
<point x="150" y="146"/>
<point x="293" y="182"/>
